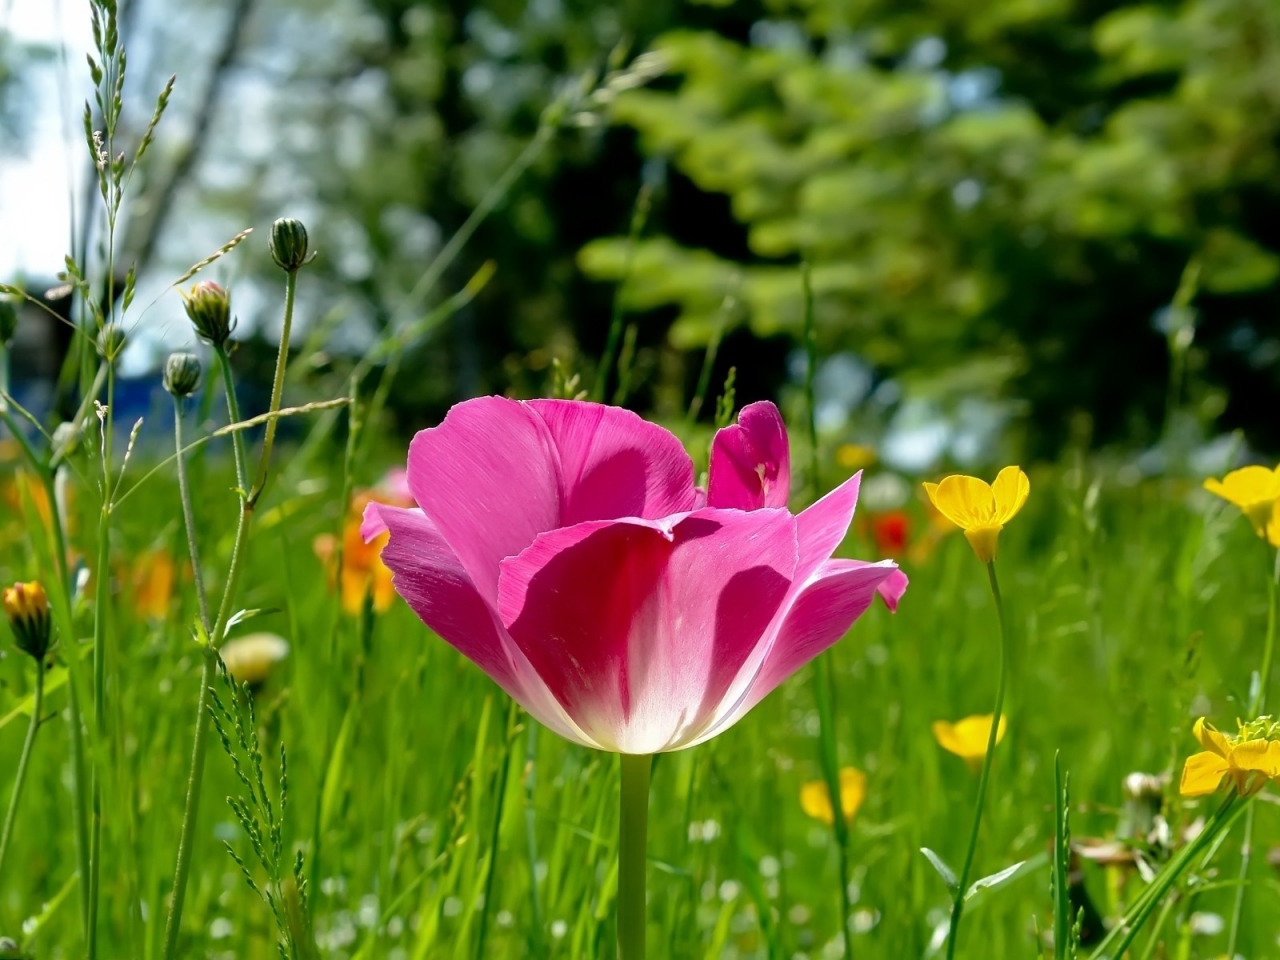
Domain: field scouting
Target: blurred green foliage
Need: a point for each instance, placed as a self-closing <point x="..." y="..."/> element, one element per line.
<point x="995" y="199"/>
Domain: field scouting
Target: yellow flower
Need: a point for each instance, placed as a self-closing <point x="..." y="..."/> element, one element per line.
<point x="1255" y="491"/>
<point x="251" y="658"/>
<point x="815" y="798"/>
<point x="1246" y="761"/>
<point x="980" y="509"/>
<point x="968" y="738"/>
<point x="855" y="456"/>
<point x="27" y="607"/>
<point x="363" y="572"/>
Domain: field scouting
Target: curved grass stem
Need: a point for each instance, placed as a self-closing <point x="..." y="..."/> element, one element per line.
<point x="1258" y="704"/>
<point x="985" y="777"/>
<point x="6" y="833"/>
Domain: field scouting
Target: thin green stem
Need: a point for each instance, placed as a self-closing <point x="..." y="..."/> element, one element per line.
<point x="277" y="387"/>
<point x="633" y="828"/>
<point x="188" y="518"/>
<point x="1257" y="704"/>
<point x="963" y="884"/>
<point x="7" y="831"/>
<point x="191" y="808"/>
<point x="513" y="718"/>
<point x="233" y="413"/>
<point x="1123" y="933"/>
<point x="208" y="674"/>
<point x="811" y="358"/>
<point x="101" y="605"/>
<point x="824" y="691"/>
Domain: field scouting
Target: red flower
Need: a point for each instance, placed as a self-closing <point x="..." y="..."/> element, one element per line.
<point x="892" y="531"/>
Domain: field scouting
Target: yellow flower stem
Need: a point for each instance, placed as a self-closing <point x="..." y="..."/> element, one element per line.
<point x="825" y="692"/>
<point x="7" y="832"/>
<point x="958" y="908"/>
<point x="1257" y="704"/>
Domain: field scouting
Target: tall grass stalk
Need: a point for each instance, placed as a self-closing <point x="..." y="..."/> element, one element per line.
<point x="1257" y="705"/>
<point x="984" y="778"/>
<point x="20" y="777"/>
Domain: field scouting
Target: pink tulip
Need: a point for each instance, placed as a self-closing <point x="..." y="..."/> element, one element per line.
<point x="563" y="548"/>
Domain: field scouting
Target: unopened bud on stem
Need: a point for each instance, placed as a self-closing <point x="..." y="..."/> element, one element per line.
<point x="209" y="307"/>
<point x="27" y="607"/>
<point x="288" y="243"/>
<point x="182" y="374"/>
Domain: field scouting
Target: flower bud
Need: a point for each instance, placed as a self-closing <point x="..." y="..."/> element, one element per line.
<point x="288" y="243"/>
<point x="27" y="608"/>
<point x="110" y="341"/>
<point x="182" y="374"/>
<point x="8" y="322"/>
<point x="209" y="307"/>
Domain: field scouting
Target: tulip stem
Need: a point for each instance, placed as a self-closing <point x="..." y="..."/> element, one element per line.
<point x="963" y="882"/>
<point x="633" y="828"/>
<point x="21" y="778"/>
<point x="1257" y="704"/>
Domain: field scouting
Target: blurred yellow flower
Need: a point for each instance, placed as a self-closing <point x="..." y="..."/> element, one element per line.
<point x="1246" y="761"/>
<point x="251" y="658"/>
<point x="968" y="738"/>
<point x="815" y="798"/>
<point x="980" y="509"/>
<point x="1255" y="490"/>
<point x="855" y="456"/>
<point x="153" y="579"/>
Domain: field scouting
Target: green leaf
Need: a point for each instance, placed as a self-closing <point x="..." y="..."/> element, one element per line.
<point x="945" y="872"/>
<point x="993" y="880"/>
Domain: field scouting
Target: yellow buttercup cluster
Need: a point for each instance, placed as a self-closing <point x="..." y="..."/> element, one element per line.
<point x="1256" y="491"/>
<point x="981" y="509"/>
<point x="1246" y="761"/>
<point x="968" y="738"/>
<point x="815" y="798"/>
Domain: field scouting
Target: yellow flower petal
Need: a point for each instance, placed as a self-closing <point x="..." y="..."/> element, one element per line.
<point x="1273" y="526"/>
<point x="966" y="501"/>
<point x="968" y="738"/>
<point x="853" y="790"/>
<point x="1254" y="490"/>
<point x="815" y="798"/>
<point x="1211" y="739"/>
<point x="985" y="542"/>
<point x="1257" y="755"/>
<point x="1202" y="774"/>
<point x="815" y="801"/>
<point x="1011" y="489"/>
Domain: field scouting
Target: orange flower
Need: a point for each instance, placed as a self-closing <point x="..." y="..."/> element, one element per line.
<point x="892" y="533"/>
<point x="363" y="572"/>
<point x="153" y="580"/>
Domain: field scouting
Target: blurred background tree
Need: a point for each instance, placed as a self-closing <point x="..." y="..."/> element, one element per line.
<point x="999" y="204"/>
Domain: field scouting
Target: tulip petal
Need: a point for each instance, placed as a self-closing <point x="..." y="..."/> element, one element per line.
<point x="1010" y="489"/>
<point x="432" y="580"/>
<point x="821" y="614"/>
<point x="892" y="588"/>
<point x="639" y="629"/>
<point x="823" y="525"/>
<point x="488" y="478"/>
<point x="1202" y="774"/>
<point x="751" y="461"/>
<point x="614" y="464"/>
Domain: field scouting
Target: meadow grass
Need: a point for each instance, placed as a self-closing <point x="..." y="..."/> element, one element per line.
<point x="1131" y="612"/>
